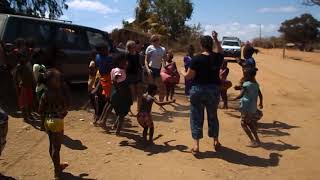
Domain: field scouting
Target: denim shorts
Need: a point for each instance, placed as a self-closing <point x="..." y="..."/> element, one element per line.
<point x="204" y="97"/>
<point x="155" y="72"/>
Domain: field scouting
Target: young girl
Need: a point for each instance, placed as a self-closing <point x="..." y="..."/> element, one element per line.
<point x="53" y="109"/>
<point x="25" y="84"/>
<point x="144" y="115"/>
<point x="121" y="99"/>
<point x="248" y="105"/>
<point x="170" y="75"/>
<point x="225" y="84"/>
<point x="187" y="62"/>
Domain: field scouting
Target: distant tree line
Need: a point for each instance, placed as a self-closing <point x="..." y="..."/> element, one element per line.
<point x="302" y="31"/>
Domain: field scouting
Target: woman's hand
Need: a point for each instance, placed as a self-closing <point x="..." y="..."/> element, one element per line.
<point x="214" y="35"/>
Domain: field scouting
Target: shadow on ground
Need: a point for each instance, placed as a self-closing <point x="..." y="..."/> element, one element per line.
<point x="73" y="144"/>
<point x="69" y="176"/>
<point x="150" y="149"/>
<point x="236" y="157"/>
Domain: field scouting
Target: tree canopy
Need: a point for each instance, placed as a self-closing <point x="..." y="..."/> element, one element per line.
<point x="311" y="2"/>
<point x="165" y="17"/>
<point x="303" y="30"/>
<point x="39" y="8"/>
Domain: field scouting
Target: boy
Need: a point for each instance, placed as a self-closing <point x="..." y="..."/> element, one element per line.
<point x="248" y="105"/>
<point x="53" y="108"/>
<point x="144" y="115"/>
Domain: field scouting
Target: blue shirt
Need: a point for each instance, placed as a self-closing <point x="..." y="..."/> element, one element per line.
<point x="248" y="103"/>
<point x="104" y="64"/>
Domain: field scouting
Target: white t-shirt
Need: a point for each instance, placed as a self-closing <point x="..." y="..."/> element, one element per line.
<point x="156" y="56"/>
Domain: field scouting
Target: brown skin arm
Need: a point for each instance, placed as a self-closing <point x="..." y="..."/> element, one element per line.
<point x="261" y="100"/>
<point x="147" y="63"/>
<point x="217" y="43"/>
<point x="241" y="94"/>
<point x="190" y="74"/>
<point x="163" y="103"/>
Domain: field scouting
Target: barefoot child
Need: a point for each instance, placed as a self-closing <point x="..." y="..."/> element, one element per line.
<point x="170" y="75"/>
<point x="144" y="115"/>
<point x="53" y="109"/>
<point x="225" y="84"/>
<point x="121" y="99"/>
<point x="104" y="64"/>
<point x="248" y="105"/>
<point x="25" y="84"/>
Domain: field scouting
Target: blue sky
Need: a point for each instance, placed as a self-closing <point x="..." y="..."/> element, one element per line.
<point x="228" y="17"/>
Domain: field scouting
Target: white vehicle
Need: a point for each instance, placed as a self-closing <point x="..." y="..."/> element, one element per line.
<point x="231" y="47"/>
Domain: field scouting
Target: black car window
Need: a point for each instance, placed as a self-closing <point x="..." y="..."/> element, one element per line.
<point x="71" y="38"/>
<point x="95" y="38"/>
<point x="39" y="32"/>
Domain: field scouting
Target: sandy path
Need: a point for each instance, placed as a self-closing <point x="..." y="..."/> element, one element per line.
<point x="288" y="130"/>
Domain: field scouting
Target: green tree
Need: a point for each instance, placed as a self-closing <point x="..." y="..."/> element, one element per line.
<point x="172" y="14"/>
<point x="311" y="2"/>
<point x="303" y="30"/>
<point x="38" y="8"/>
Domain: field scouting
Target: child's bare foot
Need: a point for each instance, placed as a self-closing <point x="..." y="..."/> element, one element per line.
<point x="64" y="165"/>
<point x="254" y="144"/>
<point x="195" y="151"/>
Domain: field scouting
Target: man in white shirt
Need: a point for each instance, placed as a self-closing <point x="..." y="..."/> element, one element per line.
<point x="155" y="58"/>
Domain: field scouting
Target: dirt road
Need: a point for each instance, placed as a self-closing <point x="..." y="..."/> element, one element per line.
<point x="288" y="130"/>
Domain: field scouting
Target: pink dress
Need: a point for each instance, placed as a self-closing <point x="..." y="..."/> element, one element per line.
<point x="170" y="74"/>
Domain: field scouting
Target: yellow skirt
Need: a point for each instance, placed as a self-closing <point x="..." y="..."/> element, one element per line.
<point x="54" y="124"/>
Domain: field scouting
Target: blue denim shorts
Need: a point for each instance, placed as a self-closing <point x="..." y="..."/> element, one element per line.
<point x="155" y="72"/>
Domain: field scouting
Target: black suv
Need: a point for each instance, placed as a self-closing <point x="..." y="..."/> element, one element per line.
<point x="71" y="44"/>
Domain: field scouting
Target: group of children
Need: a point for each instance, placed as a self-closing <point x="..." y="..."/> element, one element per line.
<point x="111" y="89"/>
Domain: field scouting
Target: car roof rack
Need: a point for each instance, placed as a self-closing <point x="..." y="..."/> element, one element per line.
<point x="31" y="16"/>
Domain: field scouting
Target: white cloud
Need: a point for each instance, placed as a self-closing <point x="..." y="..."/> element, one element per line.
<point x="283" y="9"/>
<point x="91" y="5"/>
<point x="130" y="19"/>
<point x="243" y="31"/>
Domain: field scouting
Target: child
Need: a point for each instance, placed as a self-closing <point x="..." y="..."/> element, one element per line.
<point x="170" y="75"/>
<point x="25" y="84"/>
<point x="248" y="62"/>
<point x="39" y="74"/>
<point x="144" y="115"/>
<point x="3" y="129"/>
<point x="225" y="84"/>
<point x="53" y="109"/>
<point x="121" y="99"/>
<point x="104" y="64"/>
<point x="248" y="105"/>
<point x="187" y="61"/>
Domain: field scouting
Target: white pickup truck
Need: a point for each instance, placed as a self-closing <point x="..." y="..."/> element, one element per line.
<point x="231" y="47"/>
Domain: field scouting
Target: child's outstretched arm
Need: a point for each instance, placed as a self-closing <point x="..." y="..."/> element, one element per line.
<point x="164" y="103"/>
<point x="261" y="100"/>
<point x="241" y="94"/>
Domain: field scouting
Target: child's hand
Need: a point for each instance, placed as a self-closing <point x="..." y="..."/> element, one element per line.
<point x="261" y="106"/>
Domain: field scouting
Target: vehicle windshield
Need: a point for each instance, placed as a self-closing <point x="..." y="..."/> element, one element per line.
<point x="230" y="43"/>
